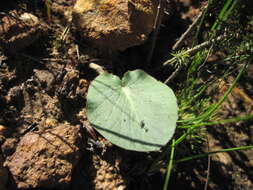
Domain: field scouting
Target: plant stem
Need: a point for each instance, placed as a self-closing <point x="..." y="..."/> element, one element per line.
<point x="204" y="12"/>
<point x="195" y="49"/>
<point x="156" y="27"/>
<point x="217" y="105"/>
<point x="225" y="121"/>
<point x="225" y="11"/>
<point x="213" y="152"/>
<point x="182" y="137"/>
<point x="169" y="170"/>
<point x="214" y="107"/>
<point x="188" y="31"/>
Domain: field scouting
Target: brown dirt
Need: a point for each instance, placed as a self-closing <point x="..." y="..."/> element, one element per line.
<point x="45" y="85"/>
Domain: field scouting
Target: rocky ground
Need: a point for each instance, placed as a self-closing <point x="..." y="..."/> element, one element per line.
<point x="45" y="71"/>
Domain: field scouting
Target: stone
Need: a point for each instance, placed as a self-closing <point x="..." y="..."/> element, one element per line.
<point x="3" y="130"/>
<point x="115" y="24"/>
<point x="47" y="158"/>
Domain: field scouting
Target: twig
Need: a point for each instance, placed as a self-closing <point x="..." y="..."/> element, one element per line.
<point x="173" y="75"/>
<point x="208" y="165"/>
<point x="41" y="60"/>
<point x="99" y="69"/>
<point x="195" y="49"/>
<point x="56" y="60"/>
<point x="31" y="58"/>
<point x="77" y="52"/>
<point x="178" y="44"/>
<point x="29" y="128"/>
<point x="156" y="28"/>
<point x="206" y="8"/>
<point x="65" y="33"/>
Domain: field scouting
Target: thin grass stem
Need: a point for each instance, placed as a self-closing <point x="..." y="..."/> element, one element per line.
<point x="170" y="165"/>
<point x="213" y="152"/>
<point x="221" y="16"/>
<point x="216" y="106"/>
<point x="225" y="121"/>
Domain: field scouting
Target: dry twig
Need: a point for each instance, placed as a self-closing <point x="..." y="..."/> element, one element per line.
<point x="178" y="44"/>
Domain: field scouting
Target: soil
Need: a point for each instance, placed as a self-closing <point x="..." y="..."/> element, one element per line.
<point x="43" y="86"/>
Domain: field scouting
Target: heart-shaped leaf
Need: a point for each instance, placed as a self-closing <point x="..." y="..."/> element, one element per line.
<point x="136" y="113"/>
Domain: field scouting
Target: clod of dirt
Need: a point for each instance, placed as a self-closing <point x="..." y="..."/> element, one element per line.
<point x="37" y="107"/>
<point x="3" y="174"/>
<point x="107" y="175"/>
<point x="45" y="78"/>
<point x="69" y="81"/>
<point x="9" y="145"/>
<point x="46" y="159"/>
<point x="115" y="24"/>
<point x="105" y="170"/>
<point x="18" y="32"/>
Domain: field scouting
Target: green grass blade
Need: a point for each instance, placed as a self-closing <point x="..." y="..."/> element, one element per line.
<point x="182" y="137"/>
<point x="225" y="11"/>
<point x="216" y="106"/>
<point x="225" y="121"/>
<point x="49" y="7"/>
<point x="169" y="170"/>
<point x="213" y="152"/>
<point x="201" y="22"/>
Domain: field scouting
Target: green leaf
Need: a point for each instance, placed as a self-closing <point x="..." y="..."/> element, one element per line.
<point x="136" y="113"/>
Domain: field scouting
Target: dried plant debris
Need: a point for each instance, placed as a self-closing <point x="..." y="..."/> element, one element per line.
<point x="19" y="31"/>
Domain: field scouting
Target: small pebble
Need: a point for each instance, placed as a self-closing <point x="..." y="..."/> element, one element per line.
<point x="3" y="130"/>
